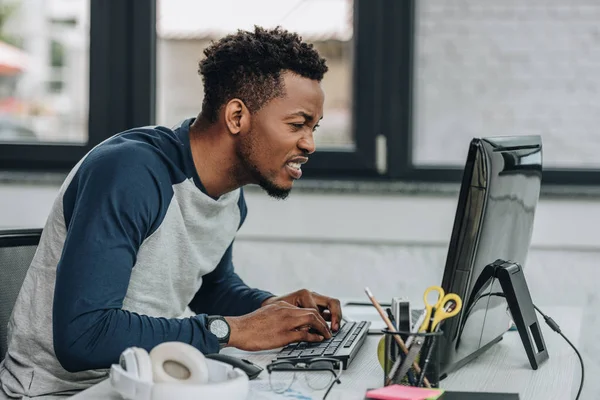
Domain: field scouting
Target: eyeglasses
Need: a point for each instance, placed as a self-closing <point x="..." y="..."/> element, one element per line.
<point x="320" y="373"/>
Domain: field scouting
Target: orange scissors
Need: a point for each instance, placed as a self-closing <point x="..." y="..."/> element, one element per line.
<point x="436" y="313"/>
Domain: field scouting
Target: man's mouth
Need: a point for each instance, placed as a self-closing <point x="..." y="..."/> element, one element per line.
<point x="294" y="166"/>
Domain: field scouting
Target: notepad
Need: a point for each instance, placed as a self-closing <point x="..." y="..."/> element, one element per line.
<point x="401" y="392"/>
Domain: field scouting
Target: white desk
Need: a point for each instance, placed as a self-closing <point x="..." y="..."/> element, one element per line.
<point x="503" y="368"/>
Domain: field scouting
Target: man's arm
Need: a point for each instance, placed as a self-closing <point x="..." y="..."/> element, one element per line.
<point x="224" y="293"/>
<point x="110" y="207"/>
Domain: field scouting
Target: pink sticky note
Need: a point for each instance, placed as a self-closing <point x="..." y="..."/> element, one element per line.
<point x="401" y="392"/>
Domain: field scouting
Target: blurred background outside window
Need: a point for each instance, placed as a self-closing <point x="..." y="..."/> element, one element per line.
<point x="44" y="51"/>
<point x="495" y="68"/>
<point x="186" y="27"/>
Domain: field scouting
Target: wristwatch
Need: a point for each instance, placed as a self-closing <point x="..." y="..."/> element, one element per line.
<point x="219" y="327"/>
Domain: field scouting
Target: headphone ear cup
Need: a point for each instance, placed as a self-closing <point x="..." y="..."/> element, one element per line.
<point x="178" y="362"/>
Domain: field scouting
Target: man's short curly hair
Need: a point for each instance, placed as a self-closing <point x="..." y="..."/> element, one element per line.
<point x="248" y="65"/>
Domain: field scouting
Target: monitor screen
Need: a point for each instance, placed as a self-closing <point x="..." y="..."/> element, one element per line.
<point x="494" y="220"/>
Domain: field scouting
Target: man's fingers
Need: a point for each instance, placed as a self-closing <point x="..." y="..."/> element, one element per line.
<point x="315" y="321"/>
<point x="326" y="314"/>
<point x="306" y="336"/>
<point x="334" y="307"/>
<point x="300" y="317"/>
<point x="307" y="301"/>
<point x="304" y="328"/>
<point x="283" y="304"/>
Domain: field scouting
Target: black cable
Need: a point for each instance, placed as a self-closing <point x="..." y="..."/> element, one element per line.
<point x="554" y="326"/>
<point x="468" y="312"/>
<point x="498" y="294"/>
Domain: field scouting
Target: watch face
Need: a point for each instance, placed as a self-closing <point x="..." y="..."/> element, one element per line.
<point x="219" y="328"/>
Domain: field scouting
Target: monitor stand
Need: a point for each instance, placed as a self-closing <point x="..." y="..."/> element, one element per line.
<point x="513" y="283"/>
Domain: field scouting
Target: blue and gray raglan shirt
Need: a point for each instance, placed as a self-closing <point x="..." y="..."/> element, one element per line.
<point x="134" y="253"/>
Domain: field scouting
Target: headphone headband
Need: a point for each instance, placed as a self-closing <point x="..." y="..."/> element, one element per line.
<point x="208" y="378"/>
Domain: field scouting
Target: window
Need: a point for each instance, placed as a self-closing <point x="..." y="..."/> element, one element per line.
<point x="43" y="72"/>
<point x="186" y="27"/>
<point x="72" y="73"/>
<point x="484" y="68"/>
<point x="410" y="83"/>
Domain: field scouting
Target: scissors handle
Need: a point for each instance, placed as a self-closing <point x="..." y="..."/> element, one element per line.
<point x="440" y="293"/>
<point x="441" y="313"/>
<point x="431" y="309"/>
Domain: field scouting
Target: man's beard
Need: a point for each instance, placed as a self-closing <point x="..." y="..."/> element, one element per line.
<point x="249" y="167"/>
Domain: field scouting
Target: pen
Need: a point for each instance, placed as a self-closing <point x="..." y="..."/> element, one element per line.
<point x="409" y="374"/>
<point x="429" y="354"/>
<point x="392" y="329"/>
<point x="428" y="349"/>
<point x="391" y="317"/>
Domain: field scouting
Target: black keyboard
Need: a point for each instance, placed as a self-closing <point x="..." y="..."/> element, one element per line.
<point x="343" y="345"/>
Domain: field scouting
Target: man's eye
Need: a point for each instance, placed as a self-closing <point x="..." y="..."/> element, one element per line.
<point x="315" y="128"/>
<point x="297" y="126"/>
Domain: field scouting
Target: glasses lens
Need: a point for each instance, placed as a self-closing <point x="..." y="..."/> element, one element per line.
<point x="280" y="379"/>
<point x="319" y="374"/>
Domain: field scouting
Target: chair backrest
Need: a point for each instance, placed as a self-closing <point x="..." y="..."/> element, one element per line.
<point x="17" y="248"/>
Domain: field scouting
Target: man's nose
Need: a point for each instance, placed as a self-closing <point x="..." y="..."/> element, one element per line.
<point x="307" y="144"/>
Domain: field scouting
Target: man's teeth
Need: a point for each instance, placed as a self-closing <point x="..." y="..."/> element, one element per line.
<point x="294" y="165"/>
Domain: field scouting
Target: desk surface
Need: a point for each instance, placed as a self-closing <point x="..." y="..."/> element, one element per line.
<point x="503" y="368"/>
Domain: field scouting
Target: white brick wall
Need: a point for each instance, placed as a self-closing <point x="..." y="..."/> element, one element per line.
<point x="510" y="67"/>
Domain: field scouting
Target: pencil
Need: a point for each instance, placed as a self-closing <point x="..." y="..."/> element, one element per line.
<point x="392" y="329"/>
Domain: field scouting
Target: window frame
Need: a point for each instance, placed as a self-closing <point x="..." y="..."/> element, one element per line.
<point x="360" y="162"/>
<point x="121" y="94"/>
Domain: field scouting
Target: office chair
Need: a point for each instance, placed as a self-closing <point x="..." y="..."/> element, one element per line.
<point x="17" y="248"/>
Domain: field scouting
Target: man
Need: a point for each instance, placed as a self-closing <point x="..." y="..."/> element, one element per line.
<point x="137" y="249"/>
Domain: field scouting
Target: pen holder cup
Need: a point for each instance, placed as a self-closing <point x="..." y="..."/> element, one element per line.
<point x="427" y="359"/>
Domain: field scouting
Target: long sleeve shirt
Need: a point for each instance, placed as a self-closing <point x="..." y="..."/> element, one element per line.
<point x="134" y="253"/>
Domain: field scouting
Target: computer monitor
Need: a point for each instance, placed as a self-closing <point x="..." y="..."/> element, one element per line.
<point x="494" y="220"/>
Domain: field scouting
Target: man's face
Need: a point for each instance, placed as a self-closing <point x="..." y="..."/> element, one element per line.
<point x="281" y="136"/>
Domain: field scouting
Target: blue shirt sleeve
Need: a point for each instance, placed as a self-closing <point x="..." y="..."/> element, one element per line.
<point x="111" y="205"/>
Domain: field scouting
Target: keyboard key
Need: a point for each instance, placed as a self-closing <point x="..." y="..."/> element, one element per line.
<point x="312" y="352"/>
<point x="344" y="339"/>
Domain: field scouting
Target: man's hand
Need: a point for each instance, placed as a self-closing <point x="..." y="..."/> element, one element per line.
<point x="329" y="308"/>
<point x="276" y="325"/>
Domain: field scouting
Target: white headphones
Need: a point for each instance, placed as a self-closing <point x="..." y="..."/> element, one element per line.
<point x="175" y="370"/>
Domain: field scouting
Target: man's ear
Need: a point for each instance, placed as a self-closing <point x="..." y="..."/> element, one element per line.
<point x="237" y="116"/>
